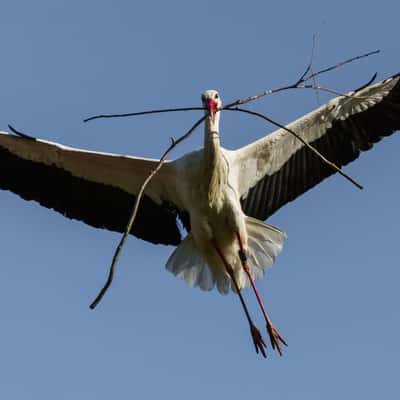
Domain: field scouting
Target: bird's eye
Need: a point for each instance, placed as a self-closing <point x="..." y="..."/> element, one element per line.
<point x="216" y="96"/>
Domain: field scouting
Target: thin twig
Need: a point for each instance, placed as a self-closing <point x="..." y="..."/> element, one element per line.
<point x="118" y="250"/>
<point x="322" y="71"/>
<point x="332" y="91"/>
<point x="304" y="78"/>
<point x="312" y="148"/>
<point x="134" y="114"/>
<point x="309" y="66"/>
<point x="314" y="43"/>
<point x="352" y="95"/>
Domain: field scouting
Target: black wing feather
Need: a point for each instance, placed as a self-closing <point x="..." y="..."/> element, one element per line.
<point x="99" y="205"/>
<point x="342" y="143"/>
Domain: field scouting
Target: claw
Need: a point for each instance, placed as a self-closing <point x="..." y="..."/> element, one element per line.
<point x="275" y="338"/>
<point x="258" y="341"/>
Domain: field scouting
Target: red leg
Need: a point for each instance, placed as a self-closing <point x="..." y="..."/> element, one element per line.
<point x="273" y="333"/>
<point x="258" y="340"/>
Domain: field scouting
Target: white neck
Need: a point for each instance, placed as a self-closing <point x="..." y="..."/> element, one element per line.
<point x="214" y="167"/>
<point x="211" y="139"/>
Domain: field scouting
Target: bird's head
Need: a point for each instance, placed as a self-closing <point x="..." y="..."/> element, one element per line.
<point x="212" y="102"/>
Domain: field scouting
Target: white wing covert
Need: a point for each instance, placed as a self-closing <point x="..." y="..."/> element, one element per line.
<point x="96" y="188"/>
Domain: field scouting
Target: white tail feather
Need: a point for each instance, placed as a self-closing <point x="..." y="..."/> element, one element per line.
<point x="264" y="243"/>
<point x="186" y="262"/>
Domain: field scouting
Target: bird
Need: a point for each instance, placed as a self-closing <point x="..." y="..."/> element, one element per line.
<point x="220" y="197"/>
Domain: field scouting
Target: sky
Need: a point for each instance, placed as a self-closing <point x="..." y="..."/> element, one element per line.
<point x="333" y="291"/>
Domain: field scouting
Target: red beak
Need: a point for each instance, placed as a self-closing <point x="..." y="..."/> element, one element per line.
<point x="212" y="106"/>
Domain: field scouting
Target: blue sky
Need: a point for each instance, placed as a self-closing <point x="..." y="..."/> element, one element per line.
<point x="333" y="292"/>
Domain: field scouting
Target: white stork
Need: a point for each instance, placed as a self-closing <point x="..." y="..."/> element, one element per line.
<point x="220" y="196"/>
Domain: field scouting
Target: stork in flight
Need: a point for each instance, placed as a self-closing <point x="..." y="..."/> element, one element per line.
<point x="220" y="196"/>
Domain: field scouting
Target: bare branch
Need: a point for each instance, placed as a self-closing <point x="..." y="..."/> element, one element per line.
<point x="134" y="114"/>
<point x="337" y="93"/>
<point x="340" y="64"/>
<point x="303" y="78"/>
<point x="135" y="210"/>
<point x="312" y="148"/>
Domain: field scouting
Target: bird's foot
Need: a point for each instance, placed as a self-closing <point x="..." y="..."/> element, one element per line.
<point x="275" y="338"/>
<point x="258" y="340"/>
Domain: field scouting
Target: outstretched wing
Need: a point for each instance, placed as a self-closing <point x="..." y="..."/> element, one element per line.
<point x="96" y="188"/>
<point x="278" y="168"/>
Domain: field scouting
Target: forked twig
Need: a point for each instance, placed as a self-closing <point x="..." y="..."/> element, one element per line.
<point x="117" y="252"/>
<point x="303" y="78"/>
<point x="340" y="64"/>
<point x="297" y="85"/>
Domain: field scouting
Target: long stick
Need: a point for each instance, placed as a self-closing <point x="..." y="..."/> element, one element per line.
<point x="135" y="210"/>
<point x="312" y="148"/>
<point x="303" y="78"/>
<point x="135" y="114"/>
